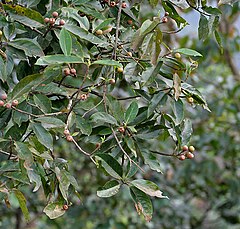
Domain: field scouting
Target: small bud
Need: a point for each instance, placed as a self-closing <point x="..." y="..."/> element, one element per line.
<point x="55" y="14"/>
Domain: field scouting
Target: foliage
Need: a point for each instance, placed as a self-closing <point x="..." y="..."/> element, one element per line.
<point x="107" y="80"/>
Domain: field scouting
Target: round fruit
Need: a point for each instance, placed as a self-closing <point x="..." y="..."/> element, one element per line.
<point x="73" y="71"/>
<point x="190" y="99"/>
<point x="177" y="55"/>
<point x="182" y="157"/>
<point x="1" y="103"/>
<point x="120" y="70"/>
<point x="166" y="14"/>
<point x="15" y="103"/>
<point x="1" y="33"/>
<point x="185" y="148"/>
<point x="121" y="129"/>
<point x="164" y="20"/>
<point x="66" y="132"/>
<point x="124" y="5"/>
<point x="191" y="149"/>
<point x="129" y="22"/>
<point x="112" y="81"/>
<point x="52" y="21"/>
<point x="65" y="207"/>
<point x="8" y="105"/>
<point x="99" y="32"/>
<point x="66" y="71"/>
<point x="189" y="155"/>
<point x="4" y="96"/>
<point x="112" y="4"/>
<point x="55" y="14"/>
<point x="61" y="22"/>
<point x="129" y="54"/>
<point x="46" y="20"/>
<point x="69" y="138"/>
<point x="83" y="97"/>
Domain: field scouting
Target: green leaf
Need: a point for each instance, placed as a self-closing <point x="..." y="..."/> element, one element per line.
<point x="131" y="112"/>
<point x="151" y="160"/>
<point x="89" y="10"/>
<point x="186" y="132"/>
<point x="110" y="164"/>
<point x="18" y="117"/>
<point x="23" y="151"/>
<point x="43" y="136"/>
<point x="111" y="188"/>
<point x="104" y="24"/>
<point x="27" y="84"/>
<point x="29" y="46"/>
<point x="51" y="122"/>
<point x="103" y="117"/>
<point x="34" y="178"/>
<point x="59" y="59"/>
<point x="84" y="126"/>
<point x="219" y="40"/>
<point x="203" y="29"/>
<point x="178" y="111"/>
<point x="54" y="210"/>
<point x="157" y="100"/>
<point x="43" y="103"/>
<point x="148" y="187"/>
<point x="143" y="203"/>
<point x="64" y="182"/>
<point x="188" y="52"/>
<point x="108" y="62"/>
<point x="22" y="203"/>
<point x="85" y="35"/>
<point x="3" y="71"/>
<point x="65" y="41"/>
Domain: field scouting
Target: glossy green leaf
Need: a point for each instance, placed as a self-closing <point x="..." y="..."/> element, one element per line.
<point x="188" y="52"/>
<point x="108" y="62"/>
<point x="3" y="71"/>
<point x="110" y="164"/>
<point x="148" y="187"/>
<point x="22" y="203"/>
<point x="131" y="112"/>
<point x="43" y="103"/>
<point x="156" y="101"/>
<point x="104" y="24"/>
<point x="65" y="42"/>
<point x="64" y="182"/>
<point x="151" y="160"/>
<point x="203" y="29"/>
<point x="89" y="10"/>
<point x="23" y="151"/>
<point x="58" y="59"/>
<point x="29" y="46"/>
<point x="103" y="117"/>
<point x="186" y="132"/>
<point x="84" y="126"/>
<point x="43" y="136"/>
<point x="111" y="188"/>
<point x="51" y="122"/>
<point x="178" y="110"/>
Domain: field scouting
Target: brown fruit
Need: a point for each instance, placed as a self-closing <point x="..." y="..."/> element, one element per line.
<point x="129" y="54"/>
<point x="185" y="148"/>
<point x="190" y="99"/>
<point x="164" y="20"/>
<point x="55" y="14"/>
<point x="177" y="55"/>
<point x="182" y="157"/>
<point x="4" y="96"/>
<point x="15" y="103"/>
<point x="46" y="20"/>
<point x="120" y="70"/>
<point x="52" y="21"/>
<point x="69" y="138"/>
<point x="66" y="71"/>
<point x="191" y="149"/>
<point x="99" y="32"/>
<point x="129" y="22"/>
<point x="73" y="71"/>
<point x="189" y="155"/>
<point x="112" y="4"/>
<point x="8" y="105"/>
<point x="61" y="22"/>
<point x="83" y="97"/>
<point x="121" y="129"/>
<point x="112" y="81"/>
<point x="124" y="5"/>
<point x="66" y="132"/>
<point x="1" y="103"/>
<point x="65" y="207"/>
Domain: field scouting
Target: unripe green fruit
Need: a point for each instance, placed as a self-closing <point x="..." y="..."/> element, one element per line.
<point x="185" y="148"/>
<point x="177" y="55"/>
<point x="191" y="149"/>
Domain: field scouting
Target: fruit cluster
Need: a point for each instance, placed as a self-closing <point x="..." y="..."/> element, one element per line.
<point x="68" y="135"/>
<point x="52" y="20"/>
<point x="8" y="105"/>
<point x="186" y="153"/>
<point x="115" y="3"/>
<point x="69" y="71"/>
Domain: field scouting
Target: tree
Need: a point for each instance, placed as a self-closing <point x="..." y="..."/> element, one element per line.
<point x="102" y="76"/>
